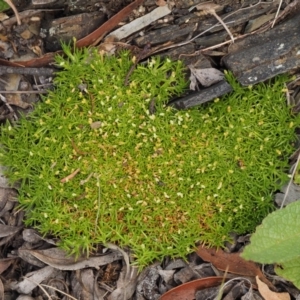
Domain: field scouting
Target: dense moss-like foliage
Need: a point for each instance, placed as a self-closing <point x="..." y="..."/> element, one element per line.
<point x="97" y="165"/>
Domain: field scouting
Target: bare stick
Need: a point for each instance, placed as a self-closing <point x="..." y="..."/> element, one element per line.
<point x="25" y="92"/>
<point x="12" y="6"/>
<point x="210" y="8"/>
<point x="69" y="177"/>
<point x="277" y="13"/>
<point x="290" y="181"/>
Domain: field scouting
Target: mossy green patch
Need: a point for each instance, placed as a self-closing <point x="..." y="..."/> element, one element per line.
<point x="96" y="165"/>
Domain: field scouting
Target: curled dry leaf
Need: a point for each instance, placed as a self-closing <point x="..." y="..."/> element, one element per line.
<point x="206" y="77"/>
<point x="231" y="262"/>
<point x="5" y="263"/>
<point x="59" y="259"/>
<point x="6" y="230"/>
<point x="126" y="285"/>
<point x="268" y="294"/>
<point x="32" y="279"/>
<point x="187" y="290"/>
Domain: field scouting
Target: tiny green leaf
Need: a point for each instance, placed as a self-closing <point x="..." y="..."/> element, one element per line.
<point x="276" y="240"/>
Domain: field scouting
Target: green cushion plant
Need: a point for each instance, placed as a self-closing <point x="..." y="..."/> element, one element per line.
<point x="96" y="165"/>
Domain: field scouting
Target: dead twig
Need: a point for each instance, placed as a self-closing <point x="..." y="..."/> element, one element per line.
<point x="26" y="71"/>
<point x="277" y="13"/>
<point x="25" y="92"/>
<point x="291" y="180"/>
<point x="288" y="9"/>
<point x="144" y="52"/>
<point x="76" y="148"/>
<point x="69" y="177"/>
<point x="210" y="8"/>
<point x="166" y="47"/>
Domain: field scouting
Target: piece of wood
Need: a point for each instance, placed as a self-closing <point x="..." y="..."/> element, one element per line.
<point x="66" y="28"/>
<point x="262" y="56"/>
<point x="202" y="96"/>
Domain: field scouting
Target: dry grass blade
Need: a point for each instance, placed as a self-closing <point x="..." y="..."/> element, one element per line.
<point x="210" y="8"/>
<point x="12" y="6"/>
<point x="291" y="180"/>
<point x="277" y="13"/>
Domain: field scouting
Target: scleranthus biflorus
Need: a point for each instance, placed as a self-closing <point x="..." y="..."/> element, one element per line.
<point x="96" y="164"/>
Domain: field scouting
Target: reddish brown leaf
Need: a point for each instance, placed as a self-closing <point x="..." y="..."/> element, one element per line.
<point x="187" y="290"/>
<point x="109" y="25"/>
<point x="232" y="262"/>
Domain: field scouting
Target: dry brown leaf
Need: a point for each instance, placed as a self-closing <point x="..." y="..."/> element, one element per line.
<point x="268" y="294"/>
<point x="187" y="290"/>
<point x="32" y="279"/>
<point x="5" y="263"/>
<point x="232" y="262"/>
<point x="6" y="230"/>
<point x="16" y="100"/>
<point x="3" y="16"/>
<point x="59" y="259"/>
<point x="207" y="76"/>
<point x="160" y="2"/>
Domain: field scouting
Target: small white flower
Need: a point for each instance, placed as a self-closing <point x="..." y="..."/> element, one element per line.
<point x="166" y="195"/>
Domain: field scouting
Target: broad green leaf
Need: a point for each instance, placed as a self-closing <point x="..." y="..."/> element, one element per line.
<point x="277" y="239"/>
<point x="3" y="5"/>
<point x="290" y="270"/>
